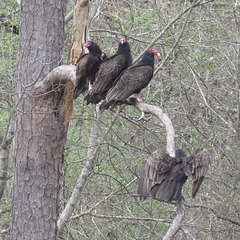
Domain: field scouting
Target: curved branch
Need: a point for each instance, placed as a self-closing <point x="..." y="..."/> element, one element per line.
<point x="58" y="77"/>
<point x="163" y="117"/>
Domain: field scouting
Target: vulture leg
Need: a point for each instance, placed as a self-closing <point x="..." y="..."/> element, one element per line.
<point x="138" y="98"/>
<point x="89" y="85"/>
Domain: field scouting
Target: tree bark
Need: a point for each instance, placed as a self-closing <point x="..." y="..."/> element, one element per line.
<point x="80" y="16"/>
<point x="40" y="132"/>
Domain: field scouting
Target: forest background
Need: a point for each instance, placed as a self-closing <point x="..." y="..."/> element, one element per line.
<point x="197" y="86"/>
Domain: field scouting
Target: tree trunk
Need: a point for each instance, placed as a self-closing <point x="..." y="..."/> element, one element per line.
<point x="40" y="132"/>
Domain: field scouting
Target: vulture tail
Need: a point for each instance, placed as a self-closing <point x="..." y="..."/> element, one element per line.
<point x="105" y="104"/>
<point x="167" y="190"/>
<point x="77" y="92"/>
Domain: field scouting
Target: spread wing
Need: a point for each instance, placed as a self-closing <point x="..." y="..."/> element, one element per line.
<point x="87" y="66"/>
<point x="108" y="72"/>
<point x="154" y="171"/>
<point x="196" y="168"/>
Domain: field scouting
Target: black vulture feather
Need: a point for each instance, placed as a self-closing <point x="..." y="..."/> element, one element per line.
<point x="109" y="70"/>
<point x="87" y="66"/>
<point x="163" y="176"/>
<point x="131" y="81"/>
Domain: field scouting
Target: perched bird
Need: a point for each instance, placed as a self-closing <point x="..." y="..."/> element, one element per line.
<point x="87" y="66"/>
<point x="131" y="81"/>
<point x="163" y="176"/>
<point x="109" y="70"/>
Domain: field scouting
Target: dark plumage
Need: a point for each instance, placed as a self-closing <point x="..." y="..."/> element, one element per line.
<point x="108" y="72"/>
<point x="87" y="66"/>
<point x="163" y="176"/>
<point x="132" y="80"/>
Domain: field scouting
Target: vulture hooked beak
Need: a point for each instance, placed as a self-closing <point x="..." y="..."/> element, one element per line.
<point x="154" y="52"/>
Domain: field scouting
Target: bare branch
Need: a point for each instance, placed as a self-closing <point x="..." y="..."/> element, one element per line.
<point x="68" y="17"/>
<point x="166" y="28"/>
<point x="177" y="41"/>
<point x="114" y="217"/>
<point x="93" y="149"/>
<point x="107" y="197"/>
<point x="163" y="117"/>
<point x="57" y="77"/>
<point x="175" y="226"/>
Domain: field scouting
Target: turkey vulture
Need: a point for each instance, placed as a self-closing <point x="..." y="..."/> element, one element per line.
<point x="132" y="80"/>
<point x="87" y="66"/>
<point x="109" y="70"/>
<point x="163" y="176"/>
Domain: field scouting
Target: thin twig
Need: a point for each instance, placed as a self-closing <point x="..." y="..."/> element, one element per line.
<point x="165" y="29"/>
<point x="102" y="201"/>
<point x="176" y="42"/>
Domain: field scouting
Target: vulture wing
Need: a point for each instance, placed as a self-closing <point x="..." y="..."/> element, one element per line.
<point x="87" y="67"/>
<point x="196" y="168"/>
<point x="170" y="187"/>
<point x="108" y="72"/>
<point x="154" y="171"/>
<point x="163" y="176"/>
<point x="131" y="81"/>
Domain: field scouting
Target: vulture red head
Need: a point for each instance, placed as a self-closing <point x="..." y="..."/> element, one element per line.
<point x="123" y="40"/>
<point x="87" y="45"/>
<point x="154" y="52"/>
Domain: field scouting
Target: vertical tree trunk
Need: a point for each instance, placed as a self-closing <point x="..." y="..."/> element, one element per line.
<point x="39" y="131"/>
<point x="80" y="17"/>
